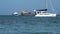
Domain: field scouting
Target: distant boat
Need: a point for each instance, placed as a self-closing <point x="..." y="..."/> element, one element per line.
<point x="25" y="12"/>
<point x="15" y="14"/>
<point x="44" y="13"/>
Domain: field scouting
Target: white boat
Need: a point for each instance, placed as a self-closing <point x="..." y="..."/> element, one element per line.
<point x="15" y="13"/>
<point x="44" y="13"/>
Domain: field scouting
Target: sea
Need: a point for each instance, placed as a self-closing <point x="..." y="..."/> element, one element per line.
<point x="29" y="25"/>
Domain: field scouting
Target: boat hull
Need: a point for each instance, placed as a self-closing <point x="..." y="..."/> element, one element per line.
<point x="48" y="15"/>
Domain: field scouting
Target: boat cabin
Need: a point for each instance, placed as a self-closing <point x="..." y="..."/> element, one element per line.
<point x="41" y="11"/>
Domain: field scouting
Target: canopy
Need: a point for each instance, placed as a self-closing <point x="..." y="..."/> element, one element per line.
<point x="41" y="10"/>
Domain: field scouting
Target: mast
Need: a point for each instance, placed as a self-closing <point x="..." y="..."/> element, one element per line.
<point x="46" y="4"/>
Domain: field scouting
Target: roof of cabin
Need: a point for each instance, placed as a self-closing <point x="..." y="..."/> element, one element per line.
<point x="41" y="10"/>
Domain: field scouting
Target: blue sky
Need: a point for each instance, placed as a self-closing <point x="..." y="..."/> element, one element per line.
<point x="7" y="7"/>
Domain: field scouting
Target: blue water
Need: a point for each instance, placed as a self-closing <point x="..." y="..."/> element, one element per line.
<point x="29" y="25"/>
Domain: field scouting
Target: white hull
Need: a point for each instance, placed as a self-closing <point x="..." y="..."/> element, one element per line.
<point x="47" y="15"/>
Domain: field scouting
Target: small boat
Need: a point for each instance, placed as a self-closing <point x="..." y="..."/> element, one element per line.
<point x="44" y="12"/>
<point x="25" y="12"/>
<point x="15" y="14"/>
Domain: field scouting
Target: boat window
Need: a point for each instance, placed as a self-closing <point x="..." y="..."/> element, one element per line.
<point x="38" y="12"/>
<point x="44" y="12"/>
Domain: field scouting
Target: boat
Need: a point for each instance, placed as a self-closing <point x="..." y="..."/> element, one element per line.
<point x="15" y="14"/>
<point x="44" y="12"/>
<point x="25" y="12"/>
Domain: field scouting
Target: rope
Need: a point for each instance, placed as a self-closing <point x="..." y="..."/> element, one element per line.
<point x="51" y="5"/>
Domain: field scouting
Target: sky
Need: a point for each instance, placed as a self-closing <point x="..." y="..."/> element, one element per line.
<point x="7" y="7"/>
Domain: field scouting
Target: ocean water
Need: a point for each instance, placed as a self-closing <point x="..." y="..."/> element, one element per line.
<point x="29" y="25"/>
